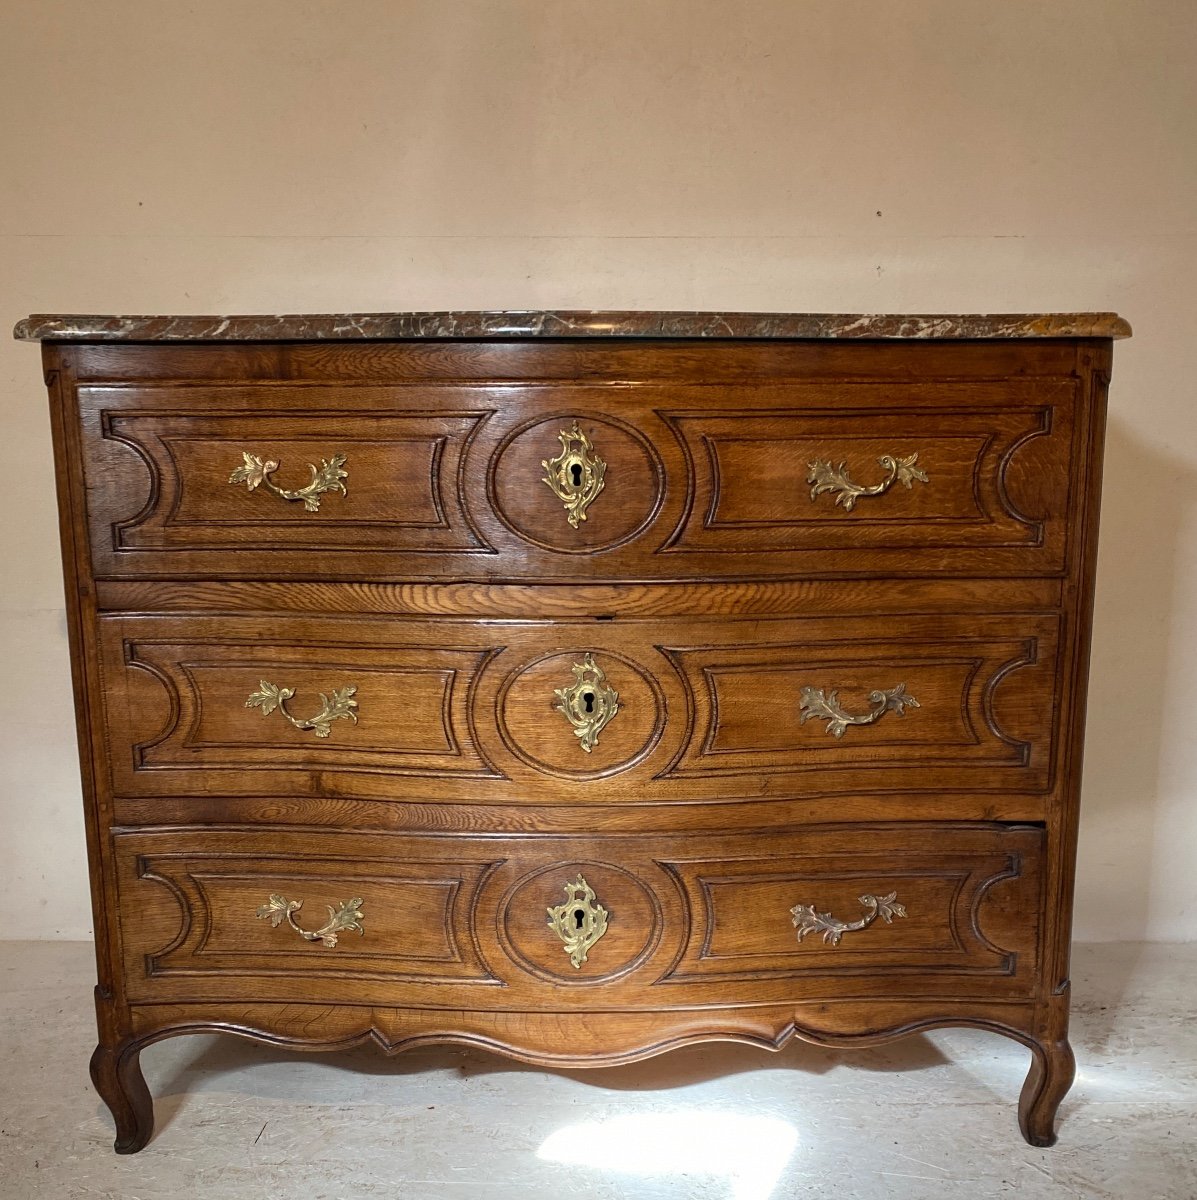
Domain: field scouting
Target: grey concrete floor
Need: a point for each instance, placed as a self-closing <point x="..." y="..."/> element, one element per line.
<point x="928" y="1117"/>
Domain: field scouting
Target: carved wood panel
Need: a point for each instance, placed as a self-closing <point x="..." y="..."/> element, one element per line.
<point x="976" y="704"/>
<point x="185" y="708"/>
<point x="192" y="911"/>
<point x="947" y="921"/>
<point x="976" y="477"/>
<point x="161" y="469"/>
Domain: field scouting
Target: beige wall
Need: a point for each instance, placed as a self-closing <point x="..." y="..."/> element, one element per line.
<point x="828" y="155"/>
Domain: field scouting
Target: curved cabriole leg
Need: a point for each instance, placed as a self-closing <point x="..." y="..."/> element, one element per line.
<point x="116" y="1073"/>
<point x="1048" y="1081"/>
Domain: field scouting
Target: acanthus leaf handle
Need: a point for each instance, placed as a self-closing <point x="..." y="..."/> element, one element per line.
<point x="807" y="919"/>
<point x="343" y="918"/>
<point x="823" y="476"/>
<point x="825" y="706"/>
<point x="337" y="705"/>
<point x="255" y="471"/>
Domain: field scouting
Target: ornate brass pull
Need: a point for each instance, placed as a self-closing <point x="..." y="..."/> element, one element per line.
<point x="342" y="919"/>
<point x="325" y="478"/>
<point x="340" y="704"/>
<point x="807" y="920"/>
<point x="823" y="477"/>
<point x="826" y="706"/>
<point x="580" y="921"/>
<point x="589" y="703"/>
<point x="575" y="475"/>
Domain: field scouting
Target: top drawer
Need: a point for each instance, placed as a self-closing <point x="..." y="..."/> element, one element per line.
<point x="652" y="479"/>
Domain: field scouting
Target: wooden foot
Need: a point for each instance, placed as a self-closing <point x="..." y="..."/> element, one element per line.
<point x="1048" y="1081"/>
<point x="116" y="1073"/>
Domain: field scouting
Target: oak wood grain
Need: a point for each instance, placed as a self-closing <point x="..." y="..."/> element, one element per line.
<point x="724" y="603"/>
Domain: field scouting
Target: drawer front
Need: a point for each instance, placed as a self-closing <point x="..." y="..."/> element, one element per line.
<point x="585" y="712"/>
<point x="553" y="482"/>
<point x="846" y="911"/>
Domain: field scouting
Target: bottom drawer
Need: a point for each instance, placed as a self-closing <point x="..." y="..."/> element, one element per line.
<point x="561" y="923"/>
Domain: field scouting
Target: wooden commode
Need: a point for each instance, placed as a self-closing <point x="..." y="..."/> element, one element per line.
<point x="579" y="685"/>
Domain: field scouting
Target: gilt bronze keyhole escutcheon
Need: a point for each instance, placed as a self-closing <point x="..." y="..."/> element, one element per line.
<point x="579" y="922"/>
<point x="576" y="475"/>
<point x="589" y="704"/>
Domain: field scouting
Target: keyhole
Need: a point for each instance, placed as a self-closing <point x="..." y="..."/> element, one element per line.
<point x="575" y="471"/>
<point x="579" y="917"/>
<point x="588" y="701"/>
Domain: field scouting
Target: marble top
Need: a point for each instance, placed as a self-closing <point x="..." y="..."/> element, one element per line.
<point x="565" y="324"/>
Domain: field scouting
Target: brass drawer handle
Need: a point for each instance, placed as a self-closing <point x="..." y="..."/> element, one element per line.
<point x="575" y="475"/>
<point x="342" y="919"/>
<point x="826" y="707"/>
<point x="823" y="477"/>
<point x="580" y="921"/>
<point x="589" y="703"/>
<point x="340" y="704"/>
<point x="325" y="478"/>
<point x="807" y="920"/>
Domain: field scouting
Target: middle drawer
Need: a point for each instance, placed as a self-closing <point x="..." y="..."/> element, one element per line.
<point x="583" y="712"/>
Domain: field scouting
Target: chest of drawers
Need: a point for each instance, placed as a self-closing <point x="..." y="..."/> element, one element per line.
<point x="579" y="686"/>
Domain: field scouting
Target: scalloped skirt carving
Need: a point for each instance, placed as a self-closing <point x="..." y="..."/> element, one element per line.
<point x="603" y="1040"/>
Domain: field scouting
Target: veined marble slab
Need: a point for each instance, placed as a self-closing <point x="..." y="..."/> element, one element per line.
<point x="565" y="324"/>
